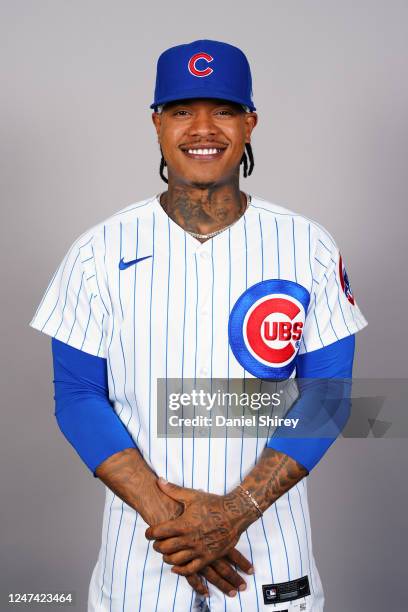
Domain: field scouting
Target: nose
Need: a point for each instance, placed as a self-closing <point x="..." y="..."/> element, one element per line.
<point x="202" y="125"/>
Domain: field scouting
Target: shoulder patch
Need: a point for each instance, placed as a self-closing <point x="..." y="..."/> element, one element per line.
<point x="345" y="283"/>
<point x="266" y="326"/>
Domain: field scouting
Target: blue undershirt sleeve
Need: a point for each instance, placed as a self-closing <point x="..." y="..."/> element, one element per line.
<point x="323" y="408"/>
<point x="83" y="410"/>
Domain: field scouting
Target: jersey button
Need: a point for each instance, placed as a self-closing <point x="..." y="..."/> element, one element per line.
<point x="203" y="371"/>
<point x="205" y="255"/>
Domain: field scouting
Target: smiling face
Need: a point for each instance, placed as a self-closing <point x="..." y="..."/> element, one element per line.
<point x="203" y="140"/>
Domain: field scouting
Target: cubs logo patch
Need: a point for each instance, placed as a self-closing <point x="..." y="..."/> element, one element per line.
<point x="345" y="283"/>
<point x="196" y="61"/>
<point x="266" y="326"/>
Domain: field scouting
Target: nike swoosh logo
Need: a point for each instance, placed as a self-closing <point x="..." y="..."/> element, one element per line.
<point x="125" y="264"/>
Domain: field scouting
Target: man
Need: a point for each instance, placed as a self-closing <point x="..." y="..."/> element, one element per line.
<point x="200" y="282"/>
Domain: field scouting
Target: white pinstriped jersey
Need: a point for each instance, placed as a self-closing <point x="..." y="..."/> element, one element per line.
<point x="167" y="316"/>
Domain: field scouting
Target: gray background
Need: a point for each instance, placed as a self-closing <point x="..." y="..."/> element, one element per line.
<point x="77" y="144"/>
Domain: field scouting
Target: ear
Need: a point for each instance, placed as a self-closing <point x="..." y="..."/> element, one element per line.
<point x="156" y="118"/>
<point x="251" y="119"/>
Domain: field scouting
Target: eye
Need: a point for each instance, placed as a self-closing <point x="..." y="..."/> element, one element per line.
<point x="180" y="113"/>
<point x="225" y="112"/>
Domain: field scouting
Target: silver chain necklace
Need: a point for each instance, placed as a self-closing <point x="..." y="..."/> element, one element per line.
<point x="212" y="234"/>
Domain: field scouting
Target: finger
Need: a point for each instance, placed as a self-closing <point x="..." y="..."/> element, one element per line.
<point x="242" y="562"/>
<point x="168" y="529"/>
<point x="172" y="545"/>
<point x="197" y="584"/>
<point x="190" y="568"/>
<point x="180" y="494"/>
<point x="215" y="579"/>
<point x="180" y="558"/>
<point x="224" y="569"/>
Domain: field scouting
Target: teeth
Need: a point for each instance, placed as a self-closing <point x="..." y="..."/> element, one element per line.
<point x="203" y="151"/>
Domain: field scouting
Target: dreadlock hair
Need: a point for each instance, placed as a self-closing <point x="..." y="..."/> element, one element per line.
<point x="162" y="166"/>
<point x="244" y="161"/>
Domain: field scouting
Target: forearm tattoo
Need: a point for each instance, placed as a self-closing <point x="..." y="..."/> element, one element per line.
<point x="273" y="475"/>
<point x="128" y="475"/>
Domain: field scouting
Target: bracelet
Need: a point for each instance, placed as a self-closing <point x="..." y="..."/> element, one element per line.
<point x="252" y="499"/>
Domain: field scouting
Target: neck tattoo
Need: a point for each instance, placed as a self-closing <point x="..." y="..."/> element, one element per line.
<point x="195" y="211"/>
<point x="222" y="229"/>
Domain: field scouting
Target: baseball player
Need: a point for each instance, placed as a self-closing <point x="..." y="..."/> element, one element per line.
<point x="200" y="281"/>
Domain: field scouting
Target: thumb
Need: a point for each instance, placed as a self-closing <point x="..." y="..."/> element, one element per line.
<point x="177" y="493"/>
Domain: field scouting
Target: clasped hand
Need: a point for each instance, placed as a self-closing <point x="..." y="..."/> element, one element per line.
<point x="207" y="530"/>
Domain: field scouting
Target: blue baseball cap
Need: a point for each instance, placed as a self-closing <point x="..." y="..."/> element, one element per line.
<point x="203" y="69"/>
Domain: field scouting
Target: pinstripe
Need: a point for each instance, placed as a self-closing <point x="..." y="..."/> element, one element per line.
<point x="65" y="302"/>
<point x="114" y="557"/>
<point x="212" y="307"/>
<point x="127" y="562"/>
<point x="104" y="246"/>
<point x="306" y="533"/>
<point x="310" y="256"/>
<point x="195" y="366"/>
<point x="143" y="574"/>
<point x="124" y="376"/>
<point x="150" y="343"/>
<point x="109" y="361"/>
<point x="228" y="359"/>
<point x="316" y="321"/>
<point x="269" y="552"/>
<point x="246" y="254"/>
<point x="253" y="575"/>
<point x="246" y="286"/>
<point x="261" y="243"/>
<point x="242" y="439"/>
<point x="76" y="308"/>
<point x="351" y="309"/>
<point x="331" y="314"/>
<point x="167" y="334"/>
<point x="175" y="593"/>
<point x="322" y="243"/>
<point x="275" y="505"/>
<point x="294" y="248"/>
<point x="106" y="546"/>
<point x="297" y="535"/>
<point x="191" y="600"/>
<point x="211" y="357"/>
<point x="158" y="589"/>
<point x="120" y="331"/>
<point x="321" y="263"/>
<point x="182" y="351"/>
<point x="97" y="281"/>
<point x="134" y="334"/>
<point x="118" y="269"/>
<point x="100" y="342"/>
<point x="87" y="323"/>
<point x="277" y="245"/>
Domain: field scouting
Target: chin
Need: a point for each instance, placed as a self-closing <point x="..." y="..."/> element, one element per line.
<point x="203" y="184"/>
<point x="204" y="181"/>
